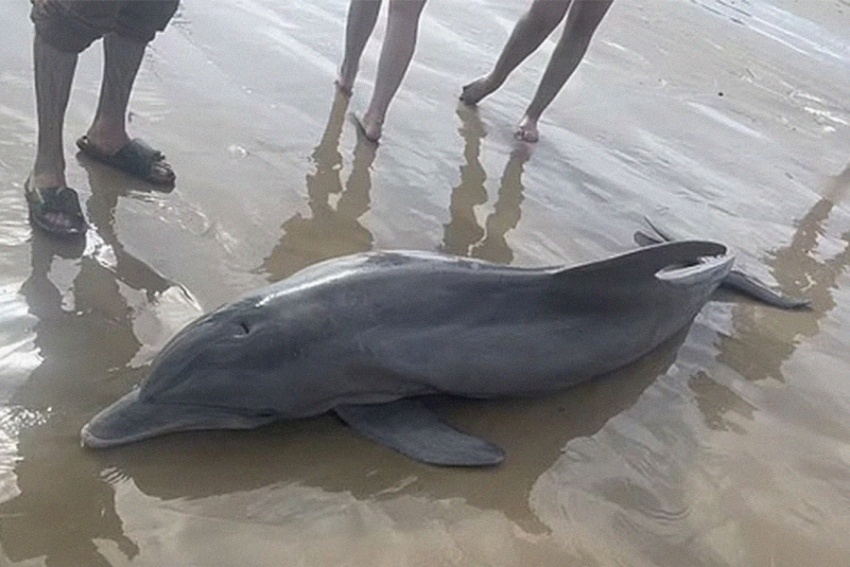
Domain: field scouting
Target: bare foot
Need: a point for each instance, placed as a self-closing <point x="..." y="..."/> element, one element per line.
<point x="477" y="90"/>
<point x="47" y="179"/>
<point x="527" y="130"/>
<point x="369" y="128"/>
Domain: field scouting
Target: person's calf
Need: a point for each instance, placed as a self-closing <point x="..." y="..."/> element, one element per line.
<point x="122" y="58"/>
<point x="53" y="74"/>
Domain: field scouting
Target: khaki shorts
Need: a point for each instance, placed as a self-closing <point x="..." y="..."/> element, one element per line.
<point x="72" y="25"/>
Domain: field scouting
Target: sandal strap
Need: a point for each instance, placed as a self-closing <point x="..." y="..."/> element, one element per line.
<point x="138" y="157"/>
<point x="145" y="150"/>
<point x="56" y="200"/>
<point x="67" y="201"/>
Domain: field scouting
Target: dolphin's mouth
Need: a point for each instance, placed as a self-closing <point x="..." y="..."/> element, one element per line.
<point x="132" y="419"/>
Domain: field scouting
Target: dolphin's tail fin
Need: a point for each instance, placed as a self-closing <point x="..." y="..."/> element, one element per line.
<point x="736" y="280"/>
<point x="755" y="288"/>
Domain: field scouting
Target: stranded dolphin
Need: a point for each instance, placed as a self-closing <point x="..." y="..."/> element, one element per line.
<point x="364" y="334"/>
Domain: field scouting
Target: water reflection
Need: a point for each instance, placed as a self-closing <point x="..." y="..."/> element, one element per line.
<point x="330" y="231"/>
<point x="63" y="504"/>
<point x="801" y="268"/>
<point x="108" y="185"/>
<point x="85" y="338"/>
<point x="463" y="235"/>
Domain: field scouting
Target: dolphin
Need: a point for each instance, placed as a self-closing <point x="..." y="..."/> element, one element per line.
<point x="367" y="335"/>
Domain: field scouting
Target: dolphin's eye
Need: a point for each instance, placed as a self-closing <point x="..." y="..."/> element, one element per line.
<point x="244" y="327"/>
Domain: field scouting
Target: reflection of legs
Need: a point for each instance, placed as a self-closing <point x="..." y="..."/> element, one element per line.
<point x="362" y="15"/>
<point x="463" y="230"/>
<point x="326" y="154"/>
<point x="101" y="207"/>
<point x="354" y="202"/>
<point x="506" y="211"/>
<point x="529" y="33"/>
<point x="396" y="54"/>
<point x="582" y="20"/>
<point x="327" y="158"/>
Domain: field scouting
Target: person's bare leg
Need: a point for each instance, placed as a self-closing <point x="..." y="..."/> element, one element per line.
<point x="108" y="132"/>
<point x="396" y="53"/>
<point x="54" y="73"/>
<point x="362" y="15"/>
<point x="582" y="20"/>
<point x="529" y="32"/>
<point x="122" y="58"/>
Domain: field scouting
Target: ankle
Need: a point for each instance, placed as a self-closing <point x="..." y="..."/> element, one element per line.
<point x="373" y="118"/>
<point x="45" y="178"/>
<point x="493" y="81"/>
<point x="108" y="137"/>
<point x="347" y="74"/>
<point x="530" y="118"/>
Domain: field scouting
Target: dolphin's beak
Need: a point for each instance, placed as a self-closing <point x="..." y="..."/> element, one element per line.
<point x="133" y="419"/>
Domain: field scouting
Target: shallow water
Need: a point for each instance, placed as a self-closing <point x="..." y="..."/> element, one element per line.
<point x="729" y="446"/>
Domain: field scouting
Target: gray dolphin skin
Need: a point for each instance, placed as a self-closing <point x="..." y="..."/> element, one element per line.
<point x="365" y="335"/>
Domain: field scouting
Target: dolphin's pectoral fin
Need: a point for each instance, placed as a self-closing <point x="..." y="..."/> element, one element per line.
<point x="413" y="430"/>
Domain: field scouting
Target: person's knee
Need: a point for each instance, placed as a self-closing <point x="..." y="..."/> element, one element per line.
<point x="547" y="13"/>
<point x="140" y="20"/>
<point x="407" y="10"/>
<point x="586" y="15"/>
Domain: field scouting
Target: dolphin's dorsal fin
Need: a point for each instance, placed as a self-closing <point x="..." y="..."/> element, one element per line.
<point x="410" y="428"/>
<point x="646" y="262"/>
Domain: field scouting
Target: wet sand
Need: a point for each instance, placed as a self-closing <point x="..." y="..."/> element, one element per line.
<point x="729" y="446"/>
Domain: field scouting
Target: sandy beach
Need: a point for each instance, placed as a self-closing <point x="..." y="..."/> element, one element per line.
<point x="720" y="119"/>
